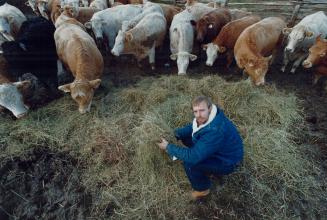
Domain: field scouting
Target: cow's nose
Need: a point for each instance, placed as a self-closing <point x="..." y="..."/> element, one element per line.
<point x="288" y="50"/>
<point x="209" y="63"/>
<point x="306" y="64"/>
<point x="114" y="52"/>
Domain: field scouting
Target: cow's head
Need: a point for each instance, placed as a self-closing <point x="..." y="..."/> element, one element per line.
<point x="11" y="97"/>
<point x="71" y="11"/>
<point x="96" y="24"/>
<point x="256" y="68"/>
<point x="212" y="52"/>
<point x="85" y="3"/>
<point x="316" y="53"/>
<point x="82" y="92"/>
<point x="183" y="59"/>
<point x="121" y="39"/>
<point x="295" y="37"/>
<point x="5" y="28"/>
<point x="202" y="27"/>
<point x="42" y="5"/>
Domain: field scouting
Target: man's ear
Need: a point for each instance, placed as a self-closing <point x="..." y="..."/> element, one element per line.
<point x="65" y="88"/>
<point x="95" y="83"/>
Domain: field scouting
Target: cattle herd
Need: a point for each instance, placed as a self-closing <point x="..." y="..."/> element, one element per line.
<point x="65" y="42"/>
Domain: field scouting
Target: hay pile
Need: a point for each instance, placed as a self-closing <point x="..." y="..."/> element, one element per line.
<point x="129" y="177"/>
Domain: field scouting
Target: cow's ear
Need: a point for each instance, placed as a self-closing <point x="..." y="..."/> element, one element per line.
<point x="23" y="84"/>
<point x="193" y="22"/>
<point x="204" y="46"/>
<point x="221" y="49"/>
<point x="95" y="83"/>
<point x="287" y="31"/>
<point x="309" y="34"/>
<point x="193" y="57"/>
<point x="65" y="88"/>
<point x="128" y="37"/>
<point x="88" y="25"/>
<point x="173" y="56"/>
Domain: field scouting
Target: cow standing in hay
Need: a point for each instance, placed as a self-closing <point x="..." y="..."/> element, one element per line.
<point x="318" y="58"/>
<point x="226" y="39"/>
<point x="77" y="50"/>
<point x="301" y="37"/>
<point x="256" y="46"/>
<point x="142" y="39"/>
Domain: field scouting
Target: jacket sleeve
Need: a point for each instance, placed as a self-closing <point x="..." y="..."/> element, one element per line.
<point x="207" y="145"/>
<point x="184" y="132"/>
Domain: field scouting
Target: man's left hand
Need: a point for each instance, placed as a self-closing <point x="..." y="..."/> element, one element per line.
<point x="163" y="144"/>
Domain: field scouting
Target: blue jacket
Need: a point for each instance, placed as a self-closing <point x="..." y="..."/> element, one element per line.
<point x="219" y="142"/>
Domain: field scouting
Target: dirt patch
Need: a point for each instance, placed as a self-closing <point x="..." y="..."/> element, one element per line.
<point x="42" y="185"/>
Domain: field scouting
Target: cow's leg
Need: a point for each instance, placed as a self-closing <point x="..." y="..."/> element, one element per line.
<point x="316" y="78"/>
<point x="285" y="61"/>
<point x="229" y="58"/>
<point x="152" y="54"/>
<point x="62" y="74"/>
<point x="297" y="62"/>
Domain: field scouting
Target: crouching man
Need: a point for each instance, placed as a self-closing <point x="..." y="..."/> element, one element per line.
<point x="214" y="146"/>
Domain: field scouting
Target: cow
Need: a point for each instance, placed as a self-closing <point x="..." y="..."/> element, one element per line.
<point x="210" y="24"/>
<point x="226" y="39"/>
<point x="318" y="58"/>
<point x="257" y="45"/>
<point x="301" y="37"/>
<point x="106" y="24"/>
<point x="181" y="34"/>
<point x="77" y="50"/>
<point x="11" y="19"/>
<point x="49" y="9"/>
<point x="142" y="40"/>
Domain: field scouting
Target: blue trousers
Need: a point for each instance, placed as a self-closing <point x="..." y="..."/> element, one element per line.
<point x="198" y="174"/>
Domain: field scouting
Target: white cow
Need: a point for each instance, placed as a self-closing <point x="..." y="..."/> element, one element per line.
<point x="108" y="22"/>
<point x="142" y="40"/>
<point x="11" y="19"/>
<point x="302" y="36"/>
<point x="147" y="8"/>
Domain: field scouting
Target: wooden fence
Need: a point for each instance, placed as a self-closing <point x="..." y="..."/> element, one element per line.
<point x="293" y="11"/>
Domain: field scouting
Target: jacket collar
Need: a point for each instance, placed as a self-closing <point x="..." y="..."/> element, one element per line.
<point x="212" y="115"/>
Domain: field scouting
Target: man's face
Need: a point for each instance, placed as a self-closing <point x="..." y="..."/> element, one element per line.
<point x="201" y="113"/>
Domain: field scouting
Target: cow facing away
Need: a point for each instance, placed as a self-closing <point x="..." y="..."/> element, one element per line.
<point x="301" y="37"/>
<point x="106" y="24"/>
<point x="318" y="58"/>
<point x="142" y="40"/>
<point x="11" y="18"/>
<point x="78" y="52"/>
<point x="208" y="27"/>
<point x="256" y="46"/>
<point x="226" y="39"/>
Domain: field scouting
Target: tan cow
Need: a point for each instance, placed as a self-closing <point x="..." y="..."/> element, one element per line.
<point x="318" y="58"/>
<point x="256" y="46"/>
<point x="78" y="52"/>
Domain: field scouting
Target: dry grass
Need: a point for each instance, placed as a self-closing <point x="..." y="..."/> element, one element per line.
<point x="130" y="178"/>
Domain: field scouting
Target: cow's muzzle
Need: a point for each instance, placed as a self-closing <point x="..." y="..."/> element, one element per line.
<point x="307" y="64"/>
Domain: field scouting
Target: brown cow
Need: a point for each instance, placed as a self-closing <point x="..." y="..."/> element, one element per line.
<point x="210" y="24"/>
<point x="226" y="39"/>
<point x="77" y="50"/>
<point x="317" y="57"/>
<point x="256" y="46"/>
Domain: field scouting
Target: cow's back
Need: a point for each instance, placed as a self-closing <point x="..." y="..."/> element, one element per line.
<point x="231" y="31"/>
<point x="261" y="37"/>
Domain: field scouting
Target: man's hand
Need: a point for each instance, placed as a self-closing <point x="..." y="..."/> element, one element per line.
<point x="163" y="144"/>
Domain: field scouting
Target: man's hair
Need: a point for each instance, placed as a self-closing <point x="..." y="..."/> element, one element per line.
<point x="197" y="100"/>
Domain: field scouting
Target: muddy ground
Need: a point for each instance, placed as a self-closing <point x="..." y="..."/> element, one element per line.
<point x="46" y="184"/>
